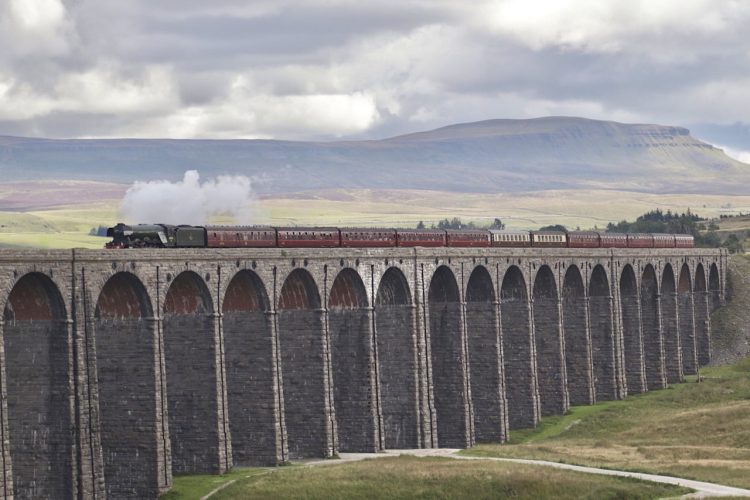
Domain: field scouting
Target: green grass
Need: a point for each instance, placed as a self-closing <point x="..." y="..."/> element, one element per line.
<point x="693" y="430"/>
<point x="411" y="477"/>
<point x="196" y="486"/>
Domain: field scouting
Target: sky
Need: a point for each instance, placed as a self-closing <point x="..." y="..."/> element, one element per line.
<point x="341" y="69"/>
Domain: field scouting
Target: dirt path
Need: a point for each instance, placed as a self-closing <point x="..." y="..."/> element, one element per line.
<point x="702" y="489"/>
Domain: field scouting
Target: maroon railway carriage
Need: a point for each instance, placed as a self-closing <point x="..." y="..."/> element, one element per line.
<point x="368" y="237"/>
<point x="613" y="240"/>
<point x="467" y="238"/>
<point x="663" y="240"/>
<point x="683" y="241"/>
<point x="583" y="239"/>
<point x="420" y="237"/>
<point x="554" y="239"/>
<point x="640" y="240"/>
<point x="240" y="236"/>
<point x="308" y="237"/>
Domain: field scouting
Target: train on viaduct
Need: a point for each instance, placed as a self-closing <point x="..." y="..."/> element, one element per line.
<point x="122" y="368"/>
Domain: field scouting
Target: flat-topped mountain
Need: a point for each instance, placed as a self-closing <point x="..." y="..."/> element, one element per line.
<point x="486" y="156"/>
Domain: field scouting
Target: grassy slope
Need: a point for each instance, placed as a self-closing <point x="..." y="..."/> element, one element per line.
<point x="410" y="477"/>
<point x="693" y="430"/>
<point x="63" y="227"/>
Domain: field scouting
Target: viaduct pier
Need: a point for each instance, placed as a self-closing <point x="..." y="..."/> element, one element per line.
<point x="120" y="368"/>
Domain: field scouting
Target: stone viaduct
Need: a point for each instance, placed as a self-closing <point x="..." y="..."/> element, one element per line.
<point x="120" y="368"/>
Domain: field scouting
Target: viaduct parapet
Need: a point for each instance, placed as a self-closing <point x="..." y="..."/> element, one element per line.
<point x="120" y="368"/>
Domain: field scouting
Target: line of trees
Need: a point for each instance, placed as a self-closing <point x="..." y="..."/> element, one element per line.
<point x="456" y="223"/>
<point x="704" y="233"/>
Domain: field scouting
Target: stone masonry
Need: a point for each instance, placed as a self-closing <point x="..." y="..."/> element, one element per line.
<point x="120" y="368"/>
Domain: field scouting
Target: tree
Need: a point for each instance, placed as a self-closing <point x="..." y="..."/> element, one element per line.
<point x="733" y="244"/>
<point x="497" y="224"/>
<point x="556" y="227"/>
<point x="420" y="225"/>
<point x="454" y="223"/>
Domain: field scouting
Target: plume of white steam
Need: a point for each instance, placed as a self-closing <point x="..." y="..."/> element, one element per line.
<point x="188" y="201"/>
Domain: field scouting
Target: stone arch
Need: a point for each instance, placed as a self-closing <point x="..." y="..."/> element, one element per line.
<point x="448" y="363"/>
<point x="603" y="345"/>
<point x="193" y="394"/>
<point x="550" y="357"/>
<point x="670" y="326"/>
<point x="485" y="368"/>
<point x="686" y="316"/>
<point x="631" y="331"/>
<point x="352" y="363"/>
<point x="520" y="375"/>
<point x="714" y="287"/>
<point x="304" y="366"/>
<point x="397" y="360"/>
<point x="247" y="326"/>
<point x="39" y="396"/>
<point x="653" y="348"/>
<point x="132" y="406"/>
<point x="578" y="364"/>
<point x="702" y="319"/>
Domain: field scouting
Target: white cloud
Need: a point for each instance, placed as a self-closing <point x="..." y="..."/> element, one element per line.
<point x="38" y="14"/>
<point x="612" y="26"/>
<point x="737" y="154"/>
<point x="104" y="89"/>
<point x="34" y="27"/>
<point x="109" y="89"/>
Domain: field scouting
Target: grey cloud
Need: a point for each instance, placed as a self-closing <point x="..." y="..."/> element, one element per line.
<point x="422" y="63"/>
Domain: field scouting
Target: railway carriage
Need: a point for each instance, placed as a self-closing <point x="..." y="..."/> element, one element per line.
<point x="308" y="237"/>
<point x="663" y="241"/>
<point x="368" y="237"/>
<point x="613" y="240"/>
<point x="510" y="238"/>
<point x="683" y="241"/>
<point x="640" y="240"/>
<point x="467" y="238"/>
<point x="240" y="237"/>
<point x="549" y="239"/>
<point x="421" y="237"/>
<point x="584" y="239"/>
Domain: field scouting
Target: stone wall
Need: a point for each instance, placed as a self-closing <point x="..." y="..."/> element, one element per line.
<point x="134" y="365"/>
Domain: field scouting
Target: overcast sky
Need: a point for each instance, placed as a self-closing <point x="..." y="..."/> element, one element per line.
<point x="324" y="69"/>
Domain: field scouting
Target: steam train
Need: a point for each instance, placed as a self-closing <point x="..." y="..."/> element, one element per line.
<point x="170" y="236"/>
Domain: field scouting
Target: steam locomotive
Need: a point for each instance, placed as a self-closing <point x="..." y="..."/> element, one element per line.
<point x="183" y="236"/>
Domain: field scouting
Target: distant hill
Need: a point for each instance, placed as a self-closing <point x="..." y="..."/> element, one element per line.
<point x="487" y="156"/>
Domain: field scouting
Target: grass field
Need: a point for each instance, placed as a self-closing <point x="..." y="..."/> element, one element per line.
<point x="585" y="209"/>
<point x="411" y="477"/>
